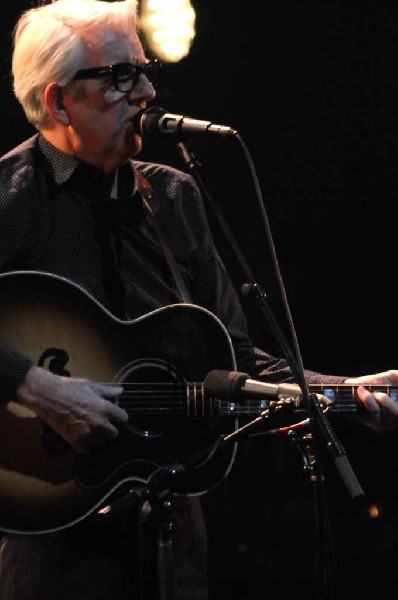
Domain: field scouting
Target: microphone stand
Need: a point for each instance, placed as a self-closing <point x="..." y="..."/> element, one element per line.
<point x="161" y="509"/>
<point x="318" y="422"/>
<point x="155" y="505"/>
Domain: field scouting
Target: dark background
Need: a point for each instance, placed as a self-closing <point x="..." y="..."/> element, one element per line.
<point x="312" y="89"/>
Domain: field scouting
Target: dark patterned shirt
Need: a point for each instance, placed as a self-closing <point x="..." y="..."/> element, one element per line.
<point x="61" y="216"/>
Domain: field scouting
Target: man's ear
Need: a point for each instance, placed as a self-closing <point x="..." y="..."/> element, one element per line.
<point x="53" y="99"/>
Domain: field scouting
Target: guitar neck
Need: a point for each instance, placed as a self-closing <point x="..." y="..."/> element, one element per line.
<point x="343" y="396"/>
<point x="190" y="400"/>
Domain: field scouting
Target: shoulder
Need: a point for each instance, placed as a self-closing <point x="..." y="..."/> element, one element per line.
<point x="163" y="175"/>
<point x="176" y="198"/>
<point x="170" y="183"/>
<point x="18" y="162"/>
<point x="20" y="152"/>
<point x="18" y="181"/>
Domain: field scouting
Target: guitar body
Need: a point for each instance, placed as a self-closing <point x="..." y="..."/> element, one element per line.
<point x="44" y="485"/>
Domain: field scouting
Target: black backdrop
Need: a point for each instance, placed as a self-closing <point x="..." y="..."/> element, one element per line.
<point x="312" y="90"/>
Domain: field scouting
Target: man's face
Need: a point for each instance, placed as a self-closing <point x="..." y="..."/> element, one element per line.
<point x="101" y="130"/>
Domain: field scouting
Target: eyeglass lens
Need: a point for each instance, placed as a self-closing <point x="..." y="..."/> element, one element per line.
<point x="127" y="75"/>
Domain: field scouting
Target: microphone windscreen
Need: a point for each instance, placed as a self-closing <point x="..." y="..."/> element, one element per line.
<point x="146" y="122"/>
<point x="224" y="384"/>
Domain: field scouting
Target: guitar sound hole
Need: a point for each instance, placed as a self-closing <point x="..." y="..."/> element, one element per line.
<point x="154" y="396"/>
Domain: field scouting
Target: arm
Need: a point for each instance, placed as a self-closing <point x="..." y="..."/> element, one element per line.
<point x="211" y="287"/>
<point x="381" y="409"/>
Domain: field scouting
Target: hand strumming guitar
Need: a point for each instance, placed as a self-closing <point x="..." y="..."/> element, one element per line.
<point x="77" y="409"/>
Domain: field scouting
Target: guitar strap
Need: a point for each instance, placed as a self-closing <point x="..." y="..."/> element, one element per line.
<point x="146" y="192"/>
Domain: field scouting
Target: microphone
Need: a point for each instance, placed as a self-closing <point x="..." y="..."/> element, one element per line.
<point x="156" y="122"/>
<point x="235" y="385"/>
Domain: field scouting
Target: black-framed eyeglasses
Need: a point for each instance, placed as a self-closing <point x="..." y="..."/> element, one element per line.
<point x="124" y="76"/>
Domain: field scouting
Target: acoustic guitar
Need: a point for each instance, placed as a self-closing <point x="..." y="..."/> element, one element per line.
<point x="161" y="359"/>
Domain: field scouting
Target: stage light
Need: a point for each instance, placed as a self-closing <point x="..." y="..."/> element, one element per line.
<point x="168" y="27"/>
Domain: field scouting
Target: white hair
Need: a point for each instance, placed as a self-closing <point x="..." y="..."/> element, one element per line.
<point x="50" y="44"/>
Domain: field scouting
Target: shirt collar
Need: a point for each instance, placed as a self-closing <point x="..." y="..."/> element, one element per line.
<point x="63" y="166"/>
